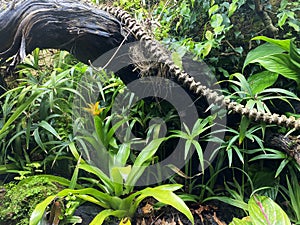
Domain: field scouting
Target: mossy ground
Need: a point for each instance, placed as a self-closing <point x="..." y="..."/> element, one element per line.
<point x="18" y="200"/>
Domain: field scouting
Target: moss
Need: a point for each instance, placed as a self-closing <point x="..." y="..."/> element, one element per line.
<point x="18" y="200"/>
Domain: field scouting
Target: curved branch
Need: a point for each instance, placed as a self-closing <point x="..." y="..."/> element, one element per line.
<point x="83" y="30"/>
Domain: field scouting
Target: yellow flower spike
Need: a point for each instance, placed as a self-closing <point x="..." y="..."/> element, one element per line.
<point x="125" y="221"/>
<point x="94" y="109"/>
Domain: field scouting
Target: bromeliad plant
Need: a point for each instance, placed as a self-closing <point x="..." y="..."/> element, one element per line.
<point x="115" y="189"/>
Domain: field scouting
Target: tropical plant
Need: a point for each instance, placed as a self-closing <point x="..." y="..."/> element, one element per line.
<point x="37" y="114"/>
<point x="211" y="19"/>
<point x="292" y="195"/>
<point x="115" y="192"/>
<point x="262" y="210"/>
<point x="277" y="56"/>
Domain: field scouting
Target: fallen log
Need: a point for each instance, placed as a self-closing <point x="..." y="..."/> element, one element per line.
<point x="83" y="30"/>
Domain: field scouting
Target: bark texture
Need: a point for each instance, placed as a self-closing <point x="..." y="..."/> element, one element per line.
<point x="83" y="30"/>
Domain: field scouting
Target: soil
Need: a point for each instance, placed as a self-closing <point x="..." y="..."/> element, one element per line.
<point x="214" y="213"/>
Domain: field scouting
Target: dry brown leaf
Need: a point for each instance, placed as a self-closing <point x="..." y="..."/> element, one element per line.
<point x="147" y="209"/>
<point x="219" y="222"/>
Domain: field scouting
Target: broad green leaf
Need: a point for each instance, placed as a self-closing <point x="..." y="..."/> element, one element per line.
<point x="122" y="155"/>
<point x="219" y="29"/>
<point x="264" y="211"/>
<point x="281" y="64"/>
<point x="99" y="219"/>
<point x="232" y="8"/>
<point x="216" y="20"/>
<point x="207" y="48"/>
<point x="212" y="10"/>
<point x="99" y="128"/>
<point x="118" y="181"/>
<point x="40" y="208"/>
<point x="295" y="54"/>
<point x="284" y="44"/>
<point x="167" y="197"/>
<point x="261" y="51"/>
<point x="62" y="181"/>
<point x="244" y="221"/>
<point x="209" y="35"/>
<point x="260" y="81"/>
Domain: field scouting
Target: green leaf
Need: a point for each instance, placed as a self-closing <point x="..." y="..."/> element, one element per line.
<point x="118" y="181"/>
<point x="40" y="208"/>
<point x="281" y="167"/>
<point x="294" y="192"/>
<point x="100" y="174"/>
<point x="147" y="153"/>
<point x="44" y="124"/>
<point x="216" y="20"/>
<point x="260" y="81"/>
<point x="243" y="128"/>
<point x="232" y="8"/>
<point x="38" y="139"/>
<point x="139" y="164"/>
<point x="122" y="155"/>
<point x="99" y="219"/>
<point x="19" y="111"/>
<point x="164" y="194"/>
<point x="200" y="154"/>
<point x="177" y="59"/>
<point x="74" y="178"/>
<point x="209" y="35"/>
<point x="282" y="19"/>
<point x="244" y="221"/>
<point x="234" y="202"/>
<point x="281" y="64"/>
<point x="212" y="10"/>
<point x="206" y="48"/>
<point x="295" y="54"/>
<point x="283" y="44"/>
<point x="261" y="51"/>
<point x="264" y="211"/>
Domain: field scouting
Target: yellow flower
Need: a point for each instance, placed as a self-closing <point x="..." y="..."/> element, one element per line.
<point x="94" y="109"/>
<point x="125" y="221"/>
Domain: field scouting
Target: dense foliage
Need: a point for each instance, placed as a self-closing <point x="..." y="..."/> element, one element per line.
<point x="254" y="65"/>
